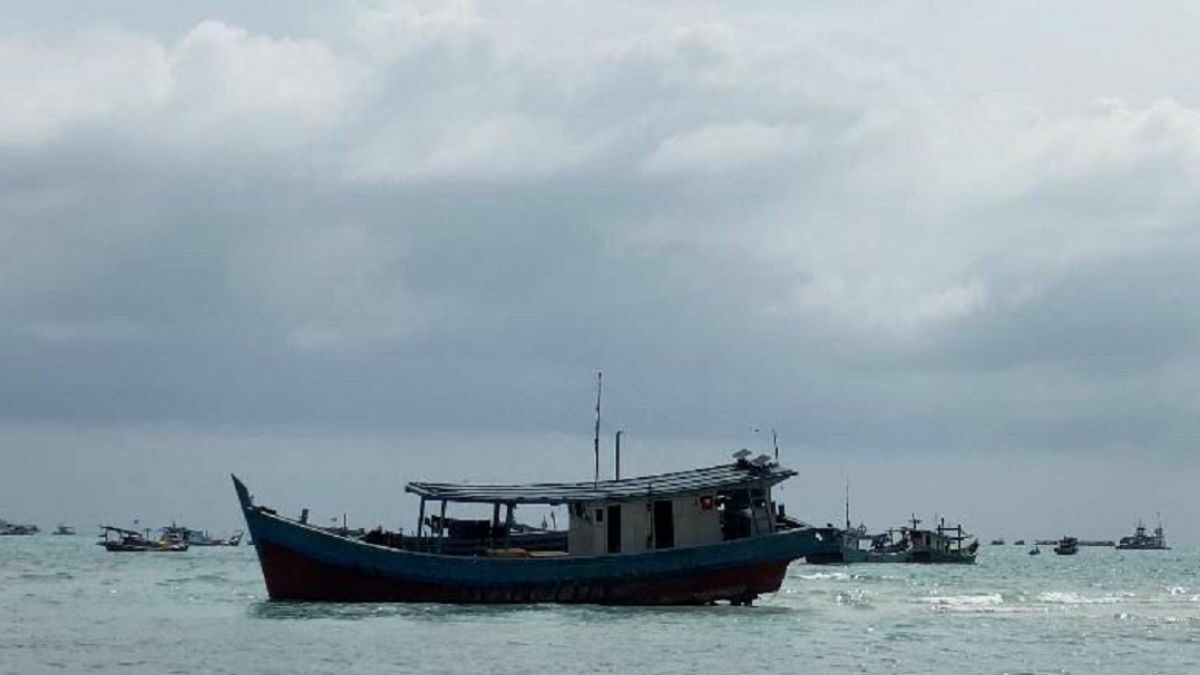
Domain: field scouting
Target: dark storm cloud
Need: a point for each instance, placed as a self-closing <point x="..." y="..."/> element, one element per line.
<point x="447" y="217"/>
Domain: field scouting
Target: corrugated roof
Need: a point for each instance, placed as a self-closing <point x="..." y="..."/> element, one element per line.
<point x="695" y="481"/>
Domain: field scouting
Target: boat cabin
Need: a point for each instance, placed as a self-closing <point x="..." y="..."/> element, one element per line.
<point x="634" y="515"/>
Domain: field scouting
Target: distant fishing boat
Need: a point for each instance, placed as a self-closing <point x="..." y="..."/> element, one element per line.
<point x="1019" y="542"/>
<point x="1035" y="551"/>
<point x="120" y="540"/>
<point x="64" y="530"/>
<point x="942" y="544"/>
<point x="1140" y="541"/>
<point x="683" y="538"/>
<point x="1067" y="546"/>
<point x="8" y="529"/>
<point x="180" y="533"/>
<point x="997" y="542"/>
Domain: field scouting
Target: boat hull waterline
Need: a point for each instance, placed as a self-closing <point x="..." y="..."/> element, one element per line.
<point x="304" y="563"/>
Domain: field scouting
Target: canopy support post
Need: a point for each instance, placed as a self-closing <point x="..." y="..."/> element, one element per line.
<point x="508" y="523"/>
<point x="495" y="525"/>
<point x="442" y="527"/>
<point x="420" y="523"/>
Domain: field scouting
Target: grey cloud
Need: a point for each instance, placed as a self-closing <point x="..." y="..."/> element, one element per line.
<point x="450" y="219"/>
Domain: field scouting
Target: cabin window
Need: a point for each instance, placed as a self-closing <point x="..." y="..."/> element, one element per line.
<point x="664" y="524"/>
<point x="599" y="515"/>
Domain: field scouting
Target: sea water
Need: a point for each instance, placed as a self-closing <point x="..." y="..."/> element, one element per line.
<point x="68" y="606"/>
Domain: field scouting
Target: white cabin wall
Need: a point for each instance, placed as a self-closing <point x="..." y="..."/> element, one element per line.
<point x="586" y="536"/>
<point x="635" y="527"/>
<point x="583" y="533"/>
<point x="693" y="525"/>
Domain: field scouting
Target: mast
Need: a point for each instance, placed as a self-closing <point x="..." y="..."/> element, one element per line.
<point x="847" y="504"/>
<point x="775" y="442"/>
<point x="596" y="440"/>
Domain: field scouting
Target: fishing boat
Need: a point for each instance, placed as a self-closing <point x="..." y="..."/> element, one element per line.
<point x="997" y="542"/>
<point x="1019" y="542"/>
<point x="1067" y="546"/>
<point x="120" y="540"/>
<point x="943" y="544"/>
<point x="16" y="530"/>
<point x="64" y="530"/>
<point x="179" y="533"/>
<point x="1035" y="551"/>
<point x="853" y="543"/>
<point x="910" y="544"/>
<point x="684" y="538"/>
<point x="1140" y="541"/>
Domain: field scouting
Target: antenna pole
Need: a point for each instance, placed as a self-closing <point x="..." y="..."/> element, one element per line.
<point x="775" y="442"/>
<point x="618" y="471"/>
<point x="596" y="440"/>
<point x="847" y="504"/>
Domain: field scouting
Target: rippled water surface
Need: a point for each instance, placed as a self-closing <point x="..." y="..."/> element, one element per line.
<point x="67" y="606"/>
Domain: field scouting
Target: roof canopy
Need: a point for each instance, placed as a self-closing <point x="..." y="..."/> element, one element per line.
<point x="741" y="474"/>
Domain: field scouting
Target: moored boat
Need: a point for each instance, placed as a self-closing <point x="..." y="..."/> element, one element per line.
<point x="179" y="533"/>
<point x="16" y="530"/>
<point x="64" y="530"/>
<point x="1067" y="546"/>
<point x="1140" y="541"/>
<point x="942" y="544"/>
<point x="120" y="540"/>
<point x="682" y="538"/>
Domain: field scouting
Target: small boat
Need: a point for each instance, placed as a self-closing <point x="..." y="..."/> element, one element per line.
<point x="1035" y="551"/>
<point x="997" y="542"/>
<point x="8" y="529"/>
<point x="941" y="545"/>
<point x="684" y="538"/>
<point x="944" y="544"/>
<point x="120" y="540"/>
<point x="64" y="530"/>
<point x="1019" y="542"/>
<point x="854" y="545"/>
<point x="1067" y="546"/>
<point x="1140" y="541"/>
<point x="179" y="533"/>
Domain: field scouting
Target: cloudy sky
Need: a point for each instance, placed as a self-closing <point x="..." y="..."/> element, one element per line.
<point x="947" y="250"/>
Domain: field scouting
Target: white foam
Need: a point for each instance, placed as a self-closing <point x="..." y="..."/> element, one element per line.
<point x="981" y="600"/>
<point x="820" y="576"/>
<point x="1071" y="598"/>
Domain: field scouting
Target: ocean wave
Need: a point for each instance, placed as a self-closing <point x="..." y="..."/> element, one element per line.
<point x="821" y="576"/>
<point x="971" y="600"/>
<point x="42" y="576"/>
<point x="1072" y="598"/>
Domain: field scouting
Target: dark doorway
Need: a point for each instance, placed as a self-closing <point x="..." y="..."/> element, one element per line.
<point x="614" y="529"/>
<point x="664" y="524"/>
